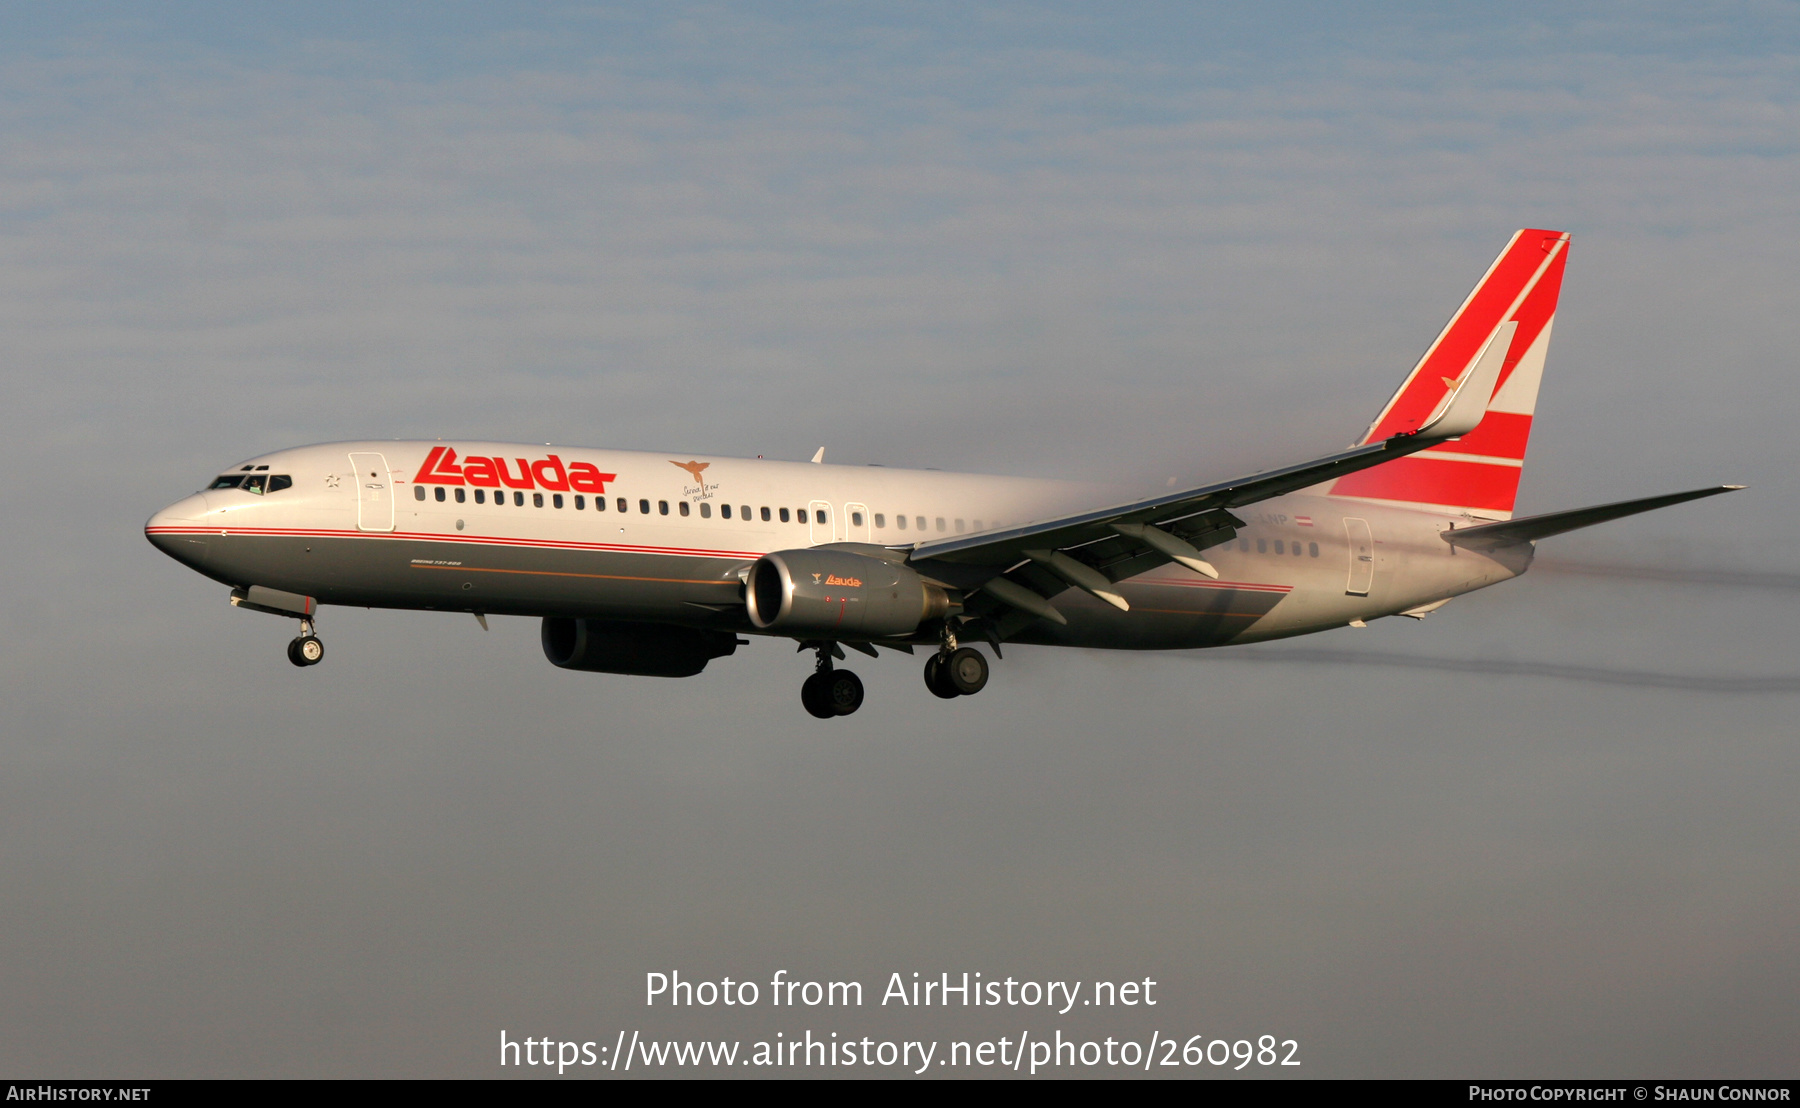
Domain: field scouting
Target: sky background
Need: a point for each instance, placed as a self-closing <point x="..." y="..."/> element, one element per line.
<point x="1139" y="242"/>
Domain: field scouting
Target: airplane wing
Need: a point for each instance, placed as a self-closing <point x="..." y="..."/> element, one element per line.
<point x="1011" y="573"/>
<point x="1164" y="525"/>
<point x="1019" y="568"/>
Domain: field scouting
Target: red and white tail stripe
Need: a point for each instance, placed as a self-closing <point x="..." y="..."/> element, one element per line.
<point x="1480" y="471"/>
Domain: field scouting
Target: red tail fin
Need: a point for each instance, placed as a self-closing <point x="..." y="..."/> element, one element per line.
<point x="1480" y="471"/>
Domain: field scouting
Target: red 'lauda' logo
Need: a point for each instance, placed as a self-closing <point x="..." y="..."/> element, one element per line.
<point x="442" y="468"/>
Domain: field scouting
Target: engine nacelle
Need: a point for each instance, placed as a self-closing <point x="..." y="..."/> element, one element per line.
<point x="834" y="594"/>
<point x="643" y="649"/>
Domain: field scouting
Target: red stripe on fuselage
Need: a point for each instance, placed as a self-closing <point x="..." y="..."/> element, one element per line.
<point x="610" y="548"/>
<point x="466" y="540"/>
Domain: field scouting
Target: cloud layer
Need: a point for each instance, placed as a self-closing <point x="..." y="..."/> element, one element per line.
<point x="1027" y="239"/>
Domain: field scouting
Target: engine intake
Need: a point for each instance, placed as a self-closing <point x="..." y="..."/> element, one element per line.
<point x="643" y="649"/>
<point x="840" y="595"/>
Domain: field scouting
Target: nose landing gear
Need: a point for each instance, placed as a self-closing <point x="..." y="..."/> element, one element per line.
<point x="831" y="692"/>
<point x="306" y="650"/>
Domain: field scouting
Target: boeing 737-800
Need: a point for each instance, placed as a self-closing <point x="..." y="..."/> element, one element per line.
<point x="652" y="564"/>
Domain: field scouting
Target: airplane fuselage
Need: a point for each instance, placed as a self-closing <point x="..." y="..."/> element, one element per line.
<point x="510" y="529"/>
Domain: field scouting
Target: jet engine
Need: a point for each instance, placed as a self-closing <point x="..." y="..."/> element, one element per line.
<point x="837" y="594"/>
<point x="644" y="649"/>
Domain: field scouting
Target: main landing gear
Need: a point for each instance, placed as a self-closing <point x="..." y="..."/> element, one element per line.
<point x="951" y="672"/>
<point x="962" y="671"/>
<point x="831" y="692"/>
<point x="306" y="650"/>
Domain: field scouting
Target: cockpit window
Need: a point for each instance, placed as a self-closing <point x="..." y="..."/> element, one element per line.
<point x="258" y="483"/>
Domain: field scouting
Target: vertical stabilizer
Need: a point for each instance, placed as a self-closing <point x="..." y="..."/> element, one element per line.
<point x="1480" y="471"/>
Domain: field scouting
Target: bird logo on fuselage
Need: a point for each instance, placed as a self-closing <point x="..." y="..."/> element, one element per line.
<point x="700" y="490"/>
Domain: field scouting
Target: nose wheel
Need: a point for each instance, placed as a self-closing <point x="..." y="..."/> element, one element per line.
<point x="962" y="672"/>
<point x="306" y="650"/>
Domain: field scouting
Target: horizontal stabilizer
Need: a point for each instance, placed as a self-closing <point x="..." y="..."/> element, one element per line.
<point x="1531" y="528"/>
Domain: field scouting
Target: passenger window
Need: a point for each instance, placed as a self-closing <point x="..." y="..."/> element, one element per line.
<point x="1262" y="546"/>
<point x="978" y="525"/>
<point x="1244" y="544"/>
<point x="1312" y="548"/>
<point x="556" y="500"/>
<point x="744" y="513"/>
<point x="418" y="490"/>
<point x="662" y="507"/>
<point x="856" y="519"/>
<point x="940" y="523"/>
<point x="900" y="522"/>
<point x="622" y="505"/>
<point x="537" y="500"/>
<point x="880" y="520"/>
<point x="480" y="496"/>
<point x="230" y="481"/>
<point x="1296" y="548"/>
<point x="959" y="526"/>
<point x="920" y="521"/>
<point x="518" y="500"/>
<point x="823" y="518"/>
<point x="438" y="494"/>
<point x="765" y="514"/>
<point x="643" y="507"/>
<point x="280" y="481"/>
<point x="683" y="505"/>
<point x="725" y="511"/>
<point x="1279" y="548"/>
<point x="461" y="496"/>
<point x="705" y="510"/>
<point x="580" y="502"/>
<point x="784" y="515"/>
<point x="800" y="515"/>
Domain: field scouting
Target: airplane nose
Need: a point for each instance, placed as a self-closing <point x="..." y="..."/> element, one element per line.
<point x="176" y="530"/>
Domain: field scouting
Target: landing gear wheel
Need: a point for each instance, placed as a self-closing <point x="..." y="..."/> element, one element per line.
<point x="966" y="671"/>
<point x="844" y="691"/>
<point x="815" y="695"/>
<point x="937" y="678"/>
<point x="306" y="650"/>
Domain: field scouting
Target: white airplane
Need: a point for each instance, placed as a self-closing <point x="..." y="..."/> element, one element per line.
<point x="643" y="563"/>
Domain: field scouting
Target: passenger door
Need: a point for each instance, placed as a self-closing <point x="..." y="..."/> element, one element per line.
<point x="819" y="511"/>
<point x="1362" y="557"/>
<point x="374" y="492"/>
